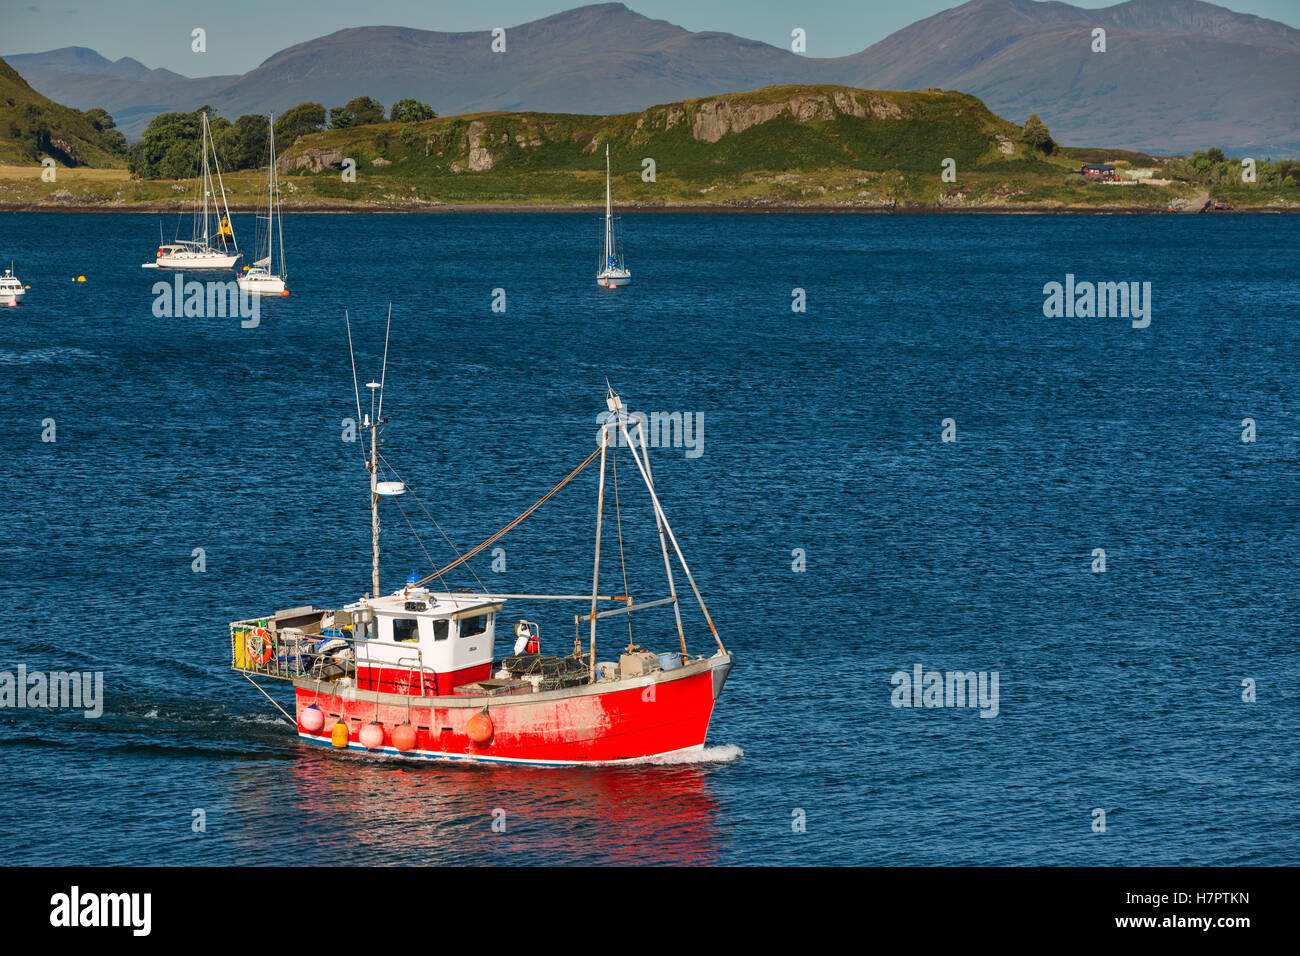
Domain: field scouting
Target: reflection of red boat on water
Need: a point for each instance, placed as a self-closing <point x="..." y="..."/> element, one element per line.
<point x="398" y="810"/>
<point x="411" y="673"/>
<point x="391" y="810"/>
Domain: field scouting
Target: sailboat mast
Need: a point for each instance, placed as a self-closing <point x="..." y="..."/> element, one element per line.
<point x="279" y="222"/>
<point x="609" y="230"/>
<point x="270" y="202"/>
<point x="207" y="178"/>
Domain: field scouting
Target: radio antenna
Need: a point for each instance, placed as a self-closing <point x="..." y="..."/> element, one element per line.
<point x="383" y="372"/>
<point x="356" y="391"/>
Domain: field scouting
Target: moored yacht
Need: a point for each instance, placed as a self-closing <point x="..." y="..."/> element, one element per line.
<point x="610" y="270"/>
<point x="261" y="278"/>
<point x="11" y="289"/>
<point x="200" y="251"/>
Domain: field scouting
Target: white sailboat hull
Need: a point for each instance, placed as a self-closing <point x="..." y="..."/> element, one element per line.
<point x="197" y="260"/>
<point x="612" y="278"/>
<point x="261" y="284"/>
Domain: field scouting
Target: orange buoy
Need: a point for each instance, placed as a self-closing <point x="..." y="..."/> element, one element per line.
<point x="285" y="292"/>
<point x="339" y="735"/>
<point x="479" y="728"/>
<point x="404" y="737"/>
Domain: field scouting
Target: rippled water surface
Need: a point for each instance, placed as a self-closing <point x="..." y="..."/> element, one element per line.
<point x="1120" y="691"/>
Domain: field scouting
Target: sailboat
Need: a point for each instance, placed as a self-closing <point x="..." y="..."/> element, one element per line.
<point x="261" y="278"/>
<point x="410" y="673"/>
<point x="199" y="252"/>
<point x="611" y="271"/>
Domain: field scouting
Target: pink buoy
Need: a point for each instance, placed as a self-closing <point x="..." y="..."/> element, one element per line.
<point x="404" y="737"/>
<point x="311" y="718"/>
<point x="371" y="736"/>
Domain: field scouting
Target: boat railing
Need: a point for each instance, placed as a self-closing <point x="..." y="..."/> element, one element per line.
<point x="293" y="652"/>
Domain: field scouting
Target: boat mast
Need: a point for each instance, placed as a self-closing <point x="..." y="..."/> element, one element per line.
<point x="373" y="467"/>
<point x="270" y="206"/>
<point x="595" y="573"/>
<point x="375" y="420"/>
<point x="609" y="227"/>
<point x="207" y="180"/>
<point x="283" y="273"/>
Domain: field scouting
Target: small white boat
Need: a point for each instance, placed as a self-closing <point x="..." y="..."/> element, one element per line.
<point x="260" y="278"/>
<point x="11" y="290"/>
<point x="611" y="271"/>
<point x="201" y="251"/>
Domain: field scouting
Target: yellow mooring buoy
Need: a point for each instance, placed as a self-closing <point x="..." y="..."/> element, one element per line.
<point x="339" y="735"/>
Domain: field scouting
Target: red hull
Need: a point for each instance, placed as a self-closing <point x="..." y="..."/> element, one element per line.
<point x="653" y="717"/>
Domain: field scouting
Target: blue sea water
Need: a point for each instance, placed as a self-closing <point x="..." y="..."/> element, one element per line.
<point x="1119" y="691"/>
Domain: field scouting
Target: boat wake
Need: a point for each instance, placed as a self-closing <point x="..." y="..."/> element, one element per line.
<point x="723" y="753"/>
<point x="46" y="356"/>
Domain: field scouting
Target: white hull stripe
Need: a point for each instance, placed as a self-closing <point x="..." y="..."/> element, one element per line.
<point x="466" y="758"/>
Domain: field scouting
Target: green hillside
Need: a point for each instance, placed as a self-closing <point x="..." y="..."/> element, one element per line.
<point x="33" y="127"/>
<point x="779" y="145"/>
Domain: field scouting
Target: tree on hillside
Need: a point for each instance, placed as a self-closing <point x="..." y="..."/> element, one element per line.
<point x="102" y="121"/>
<point x="357" y="112"/>
<point x="168" y="149"/>
<point x="1037" y="135"/>
<point x="302" y="119"/>
<point x="100" y="118"/>
<point x="411" y="111"/>
<point x="252" y="142"/>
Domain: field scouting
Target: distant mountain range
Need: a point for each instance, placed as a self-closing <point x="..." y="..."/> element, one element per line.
<point x="1176" y="75"/>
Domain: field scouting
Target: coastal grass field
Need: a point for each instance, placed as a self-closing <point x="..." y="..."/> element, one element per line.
<point x="413" y="185"/>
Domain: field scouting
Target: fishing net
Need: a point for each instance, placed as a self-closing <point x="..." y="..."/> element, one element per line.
<point x="555" y="672"/>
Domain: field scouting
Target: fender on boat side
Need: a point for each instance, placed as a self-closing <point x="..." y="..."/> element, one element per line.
<point x="719" y="665"/>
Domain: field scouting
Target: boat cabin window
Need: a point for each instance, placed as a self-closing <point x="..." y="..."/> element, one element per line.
<point x="405" y="629"/>
<point x="440" y="630"/>
<point x="471" y="626"/>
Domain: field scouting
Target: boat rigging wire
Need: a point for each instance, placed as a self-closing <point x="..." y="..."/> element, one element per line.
<point x="428" y="515"/>
<point x="618" y="521"/>
<point x="509" y="527"/>
<point x="416" y="535"/>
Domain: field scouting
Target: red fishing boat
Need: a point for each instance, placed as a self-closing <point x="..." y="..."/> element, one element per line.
<point x="413" y="673"/>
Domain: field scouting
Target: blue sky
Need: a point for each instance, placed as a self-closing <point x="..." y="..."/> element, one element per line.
<point x="243" y="33"/>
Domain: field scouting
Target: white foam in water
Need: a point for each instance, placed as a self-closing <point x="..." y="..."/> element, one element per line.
<point x="45" y="356"/>
<point x="723" y="753"/>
